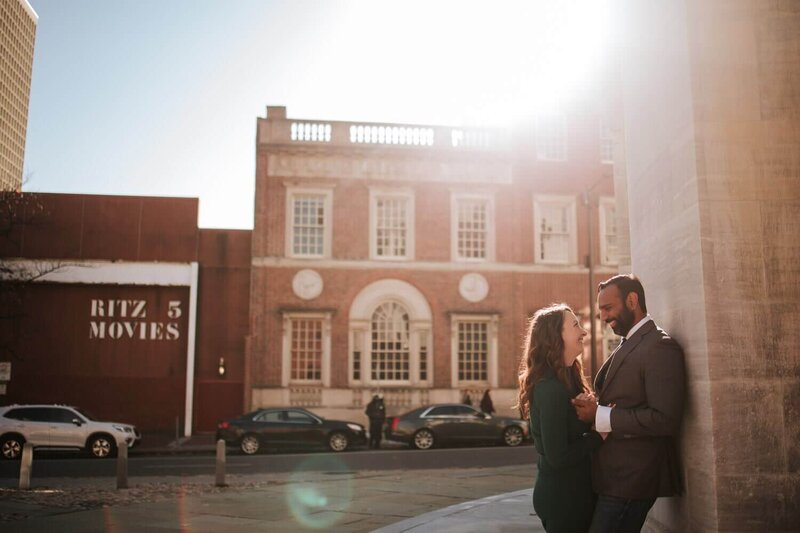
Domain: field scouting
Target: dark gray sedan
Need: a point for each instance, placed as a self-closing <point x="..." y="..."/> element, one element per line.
<point x="439" y="424"/>
<point x="289" y="428"/>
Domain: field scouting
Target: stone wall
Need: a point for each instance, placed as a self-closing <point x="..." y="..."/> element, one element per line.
<point x="712" y="124"/>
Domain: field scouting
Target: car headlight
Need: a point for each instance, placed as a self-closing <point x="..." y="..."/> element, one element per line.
<point x="121" y="429"/>
<point x="355" y="427"/>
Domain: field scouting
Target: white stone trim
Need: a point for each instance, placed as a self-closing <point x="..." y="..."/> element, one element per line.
<point x="493" y="322"/>
<point x="455" y="196"/>
<point x="602" y="203"/>
<point x="355" y="264"/>
<point x="569" y="203"/>
<point x="327" y="194"/>
<point x="420" y="320"/>
<point x="29" y="8"/>
<point x="107" y="272"/>
<point x="385" y="192"/>
<point x="286" y="355"/>
<point x="190" y="351"/>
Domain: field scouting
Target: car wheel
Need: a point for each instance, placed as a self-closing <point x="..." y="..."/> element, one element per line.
<point x="101" y="446"/>
<point x="250" y="444"/>
<point x="11" y="447"/>
<point x="338" y="442"/>
<point x="513" y="436"/>
<point x="423" y="439"/>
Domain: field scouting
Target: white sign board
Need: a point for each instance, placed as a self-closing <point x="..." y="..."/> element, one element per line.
<point x="5" y="371"/>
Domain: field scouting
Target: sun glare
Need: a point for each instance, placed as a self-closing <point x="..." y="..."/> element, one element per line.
<point x="489" y="63"/>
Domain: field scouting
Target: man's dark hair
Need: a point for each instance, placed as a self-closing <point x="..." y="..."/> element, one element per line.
<point x="626" y="283"/>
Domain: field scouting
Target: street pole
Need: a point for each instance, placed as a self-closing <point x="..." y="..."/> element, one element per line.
<point x="590" y="261"/>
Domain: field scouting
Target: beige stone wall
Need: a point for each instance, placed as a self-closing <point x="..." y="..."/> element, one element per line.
<point x="712" y="122"/>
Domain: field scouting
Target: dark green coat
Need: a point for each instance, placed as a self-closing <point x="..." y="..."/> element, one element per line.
<point x="563" y="497"/>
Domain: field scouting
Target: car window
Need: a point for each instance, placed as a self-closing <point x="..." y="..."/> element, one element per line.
<point x="465" y="410"/>
<point x="31" y="414"/>
<point x="443" y="410"/>
<point x="64" y="416"/>
<point x="298" y="417"/>
<point x="86" y="414"/>
<point x="18" y="414"/>
<point x="269" y="416"/>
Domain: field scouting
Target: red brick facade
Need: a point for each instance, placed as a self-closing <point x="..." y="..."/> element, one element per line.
<point x="510" y="175"/>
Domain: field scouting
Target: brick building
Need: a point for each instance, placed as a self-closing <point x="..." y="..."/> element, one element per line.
<point x="123" y="306"/>
<point x="406" y="259"/>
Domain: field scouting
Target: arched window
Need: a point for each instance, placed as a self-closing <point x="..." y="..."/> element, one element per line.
<point x="390" y="343"/>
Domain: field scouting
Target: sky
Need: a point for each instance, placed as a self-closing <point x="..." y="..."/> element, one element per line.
<point x="161" y="97"/>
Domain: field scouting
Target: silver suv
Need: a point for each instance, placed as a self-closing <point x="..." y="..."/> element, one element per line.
<point x="63" y="427"/>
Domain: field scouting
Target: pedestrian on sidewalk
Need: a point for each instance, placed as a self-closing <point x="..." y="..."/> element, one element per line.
<point x="551" y="375"/>
<point x="486" y="403"/>
<point x="376" y="412"/>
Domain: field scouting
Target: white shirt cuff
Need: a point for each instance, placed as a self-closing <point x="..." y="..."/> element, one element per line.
<point x="602" y="420"/>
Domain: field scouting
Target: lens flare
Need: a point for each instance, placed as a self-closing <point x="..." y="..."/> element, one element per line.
<point x="320" y="490"/>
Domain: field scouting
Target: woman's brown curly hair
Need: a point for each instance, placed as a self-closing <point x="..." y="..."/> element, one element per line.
<point x="543" y="353"/>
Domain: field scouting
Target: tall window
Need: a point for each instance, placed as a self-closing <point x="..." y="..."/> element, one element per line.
<point x="608" y="232"/>
<point x="473" y="227"/>
<point x="551" y="137"/>
<point x="308" y="218"/>
<point x="306" y="348"/>
<point x="554" y="229"/>
<point x="474" y="349"/>
<point x="606" y="142"/>
<point x="391" y="224"/>
<point x="390" y="349"/>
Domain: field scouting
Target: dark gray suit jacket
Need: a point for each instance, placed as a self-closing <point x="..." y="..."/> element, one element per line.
<point x="646" y="381"/>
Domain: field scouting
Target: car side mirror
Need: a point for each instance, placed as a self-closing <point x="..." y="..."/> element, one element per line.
<point x="486" y="416"/>
<point x="77" y="422"/>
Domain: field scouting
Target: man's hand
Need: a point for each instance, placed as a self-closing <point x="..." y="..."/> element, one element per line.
<point x="586" y="407"/>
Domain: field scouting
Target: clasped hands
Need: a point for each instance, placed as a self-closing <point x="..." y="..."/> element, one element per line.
<point x="585" y="405"/>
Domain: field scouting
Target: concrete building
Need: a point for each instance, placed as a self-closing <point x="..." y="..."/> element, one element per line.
<point x="712" y="170"/>
<point x="17" y="37"/>
<point x="405" y="259"/>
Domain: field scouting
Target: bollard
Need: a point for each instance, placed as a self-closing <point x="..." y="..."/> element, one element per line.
<point x="122" y="466"/>
<point x="220" y="463"/>
<point x="25" y="466"/>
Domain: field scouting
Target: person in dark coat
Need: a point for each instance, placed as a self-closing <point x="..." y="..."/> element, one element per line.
<point x="376" y="412"/>
<point x="486" y="403"/>
<point x="551" y="375"/>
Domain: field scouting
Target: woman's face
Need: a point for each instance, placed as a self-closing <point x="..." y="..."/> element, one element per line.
<point x="573" y="335"/>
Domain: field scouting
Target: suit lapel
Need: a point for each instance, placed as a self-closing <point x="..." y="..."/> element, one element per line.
<point x="622" y="352"/>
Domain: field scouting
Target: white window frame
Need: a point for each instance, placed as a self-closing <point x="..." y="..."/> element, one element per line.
<point x="606" y="142"/>
<point x="377" y="193"/>
<point x="492" y="321"/>
<point x="291" y="194"/>
<point x="558" y="141"/>
<point x="566" y="201"/>
<point x="605" y="258"/>
<point x="455" y="198"/>
<point x="286" y="375"/>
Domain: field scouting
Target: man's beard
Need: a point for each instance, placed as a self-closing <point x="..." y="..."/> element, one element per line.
<point x="624" y="322"/>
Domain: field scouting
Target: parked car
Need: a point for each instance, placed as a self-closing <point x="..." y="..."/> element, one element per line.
<point x="61" y="427"/>
<point x="439" y="424"/>
<point x="289" y="427"/>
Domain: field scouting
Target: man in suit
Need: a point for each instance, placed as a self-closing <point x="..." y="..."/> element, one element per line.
<point x="640" y="394"/>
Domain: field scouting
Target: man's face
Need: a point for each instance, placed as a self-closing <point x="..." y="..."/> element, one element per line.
<point x="614" y="312"/>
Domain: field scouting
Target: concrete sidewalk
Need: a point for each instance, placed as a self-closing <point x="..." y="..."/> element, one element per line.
<point x="456" y="499"/>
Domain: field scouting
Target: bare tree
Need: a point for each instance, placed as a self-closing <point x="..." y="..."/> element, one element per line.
<point x="18" y="210"/>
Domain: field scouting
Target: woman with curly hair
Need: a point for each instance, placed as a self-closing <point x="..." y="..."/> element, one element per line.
<point x="550" y="375"/>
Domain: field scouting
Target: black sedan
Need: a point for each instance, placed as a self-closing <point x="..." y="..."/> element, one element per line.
<point x="433" y="425"/>
<point x="289" y="427"/>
